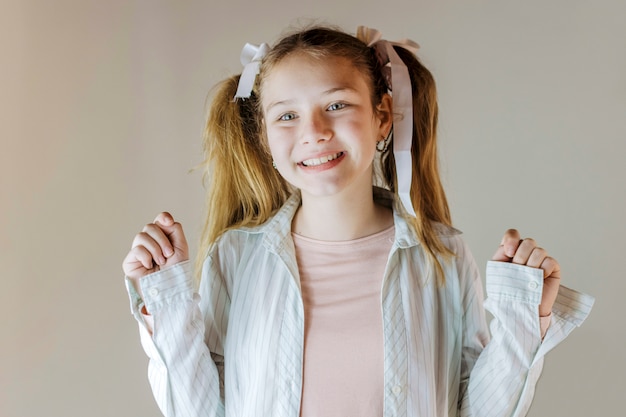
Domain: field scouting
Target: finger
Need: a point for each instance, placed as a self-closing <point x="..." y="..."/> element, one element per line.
<point x="510" y="242"/>
<point x="138" y="262"/>
<point x="551" y="284"/>
<point x="164" y="218"/>
<point x="160" y="235"/>
<point x="149" y="243"/>
<point x="525" y="248"/>
<point x="144" y="257"/>
<point x="537" y="257"/>
<point x="551" y="268"/>
<point x="174" y="232"/>
<point x="175" y="235"/>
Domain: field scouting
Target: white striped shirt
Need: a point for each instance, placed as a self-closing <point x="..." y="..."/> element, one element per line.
<point x="234" y="346"/>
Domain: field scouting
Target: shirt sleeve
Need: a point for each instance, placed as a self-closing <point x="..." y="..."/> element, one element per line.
<point x="184" y="377"/>
<point x="503" y="378"/>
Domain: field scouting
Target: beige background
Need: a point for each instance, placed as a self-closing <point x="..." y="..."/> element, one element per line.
<point x="102" y="107"/>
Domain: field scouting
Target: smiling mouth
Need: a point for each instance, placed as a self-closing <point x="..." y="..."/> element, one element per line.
<point x="319" y="161"/>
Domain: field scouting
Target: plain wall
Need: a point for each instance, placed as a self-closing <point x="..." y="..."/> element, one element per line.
<point x="102" y="111"/>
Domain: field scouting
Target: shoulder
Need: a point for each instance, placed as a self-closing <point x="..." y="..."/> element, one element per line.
<point x="451" y="237"/>
<point x="235" y="239"/>
<point x="445" y="231"/>
<point x="233" y="250"/>
<point x="467" y="270"/>
<point x="234" y="242"/>
<point x="267" y="235"/>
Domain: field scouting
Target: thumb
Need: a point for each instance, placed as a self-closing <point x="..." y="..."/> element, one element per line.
<point x="175" y="234"/>
<point x="500" y="255"/>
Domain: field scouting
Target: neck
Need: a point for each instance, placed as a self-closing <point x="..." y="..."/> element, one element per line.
<point x="341" y="217"/>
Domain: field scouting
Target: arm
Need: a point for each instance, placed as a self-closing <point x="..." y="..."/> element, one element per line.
<point x="185" y="379"/>
<point x="503" y="376"/>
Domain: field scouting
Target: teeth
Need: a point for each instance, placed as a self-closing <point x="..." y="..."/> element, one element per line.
<point x="319" y="161"/>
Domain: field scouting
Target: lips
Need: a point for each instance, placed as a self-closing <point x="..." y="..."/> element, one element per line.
<point x="320" y="161"/>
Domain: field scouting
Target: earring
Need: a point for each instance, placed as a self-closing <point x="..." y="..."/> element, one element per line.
<point x="274" y="164"/>
<point x="383" y="144"/>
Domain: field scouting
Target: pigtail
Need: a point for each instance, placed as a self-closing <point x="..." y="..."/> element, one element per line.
<point x="243" y="187"/>
<point x="427" y="193"/>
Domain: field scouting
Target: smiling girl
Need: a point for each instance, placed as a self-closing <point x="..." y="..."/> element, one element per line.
<point x="329" y="287"/>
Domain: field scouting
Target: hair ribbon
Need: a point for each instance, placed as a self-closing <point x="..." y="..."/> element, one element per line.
<point x="251" y="56"/>
<point x="399" y="83"/>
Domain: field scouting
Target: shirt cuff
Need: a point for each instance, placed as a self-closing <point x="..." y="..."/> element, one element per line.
<point x="512" y="282"/>
<point x="569" y="311"/>
<point x="160" y="288"/>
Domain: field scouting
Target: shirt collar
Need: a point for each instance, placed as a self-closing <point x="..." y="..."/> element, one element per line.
<point x="277" y="230"/>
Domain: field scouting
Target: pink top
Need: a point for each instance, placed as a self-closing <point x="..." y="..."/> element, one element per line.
<point x="343" y="337"/>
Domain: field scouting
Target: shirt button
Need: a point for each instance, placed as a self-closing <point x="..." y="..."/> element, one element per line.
<point x="153" y="292"/>
<point x="533" y="285"/>
<point x="397" y="389"/>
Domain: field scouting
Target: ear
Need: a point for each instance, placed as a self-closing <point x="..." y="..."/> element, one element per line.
<point x="385" y="115"/>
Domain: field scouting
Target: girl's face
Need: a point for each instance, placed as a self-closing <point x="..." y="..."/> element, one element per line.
<point x="321" y="127"/>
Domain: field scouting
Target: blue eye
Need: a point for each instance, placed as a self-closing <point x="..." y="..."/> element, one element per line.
<point x="287" y="117"/>
<point x="336" y="106"/>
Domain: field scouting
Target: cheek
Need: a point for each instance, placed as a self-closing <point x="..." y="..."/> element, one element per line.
<point x="368" y="130"/>
<point x="276" y="142"/>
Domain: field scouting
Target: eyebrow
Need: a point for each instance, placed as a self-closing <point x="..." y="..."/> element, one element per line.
<point x="278" y="103"/>
<point x="324" y="93"/>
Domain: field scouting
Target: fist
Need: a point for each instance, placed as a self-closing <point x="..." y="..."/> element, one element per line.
<point x="159" y="245"/>
<point x="520" y="251"/>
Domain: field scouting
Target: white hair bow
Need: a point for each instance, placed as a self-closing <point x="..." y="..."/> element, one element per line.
<point x="399" y="83"/>
<point x="251" y="56"/>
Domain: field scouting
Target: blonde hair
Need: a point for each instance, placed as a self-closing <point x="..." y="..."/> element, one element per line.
<point x="245" y="190"/>
<point x="243" y="187"/>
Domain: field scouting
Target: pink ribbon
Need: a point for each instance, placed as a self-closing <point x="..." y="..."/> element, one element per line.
<point x="399" y="83"/>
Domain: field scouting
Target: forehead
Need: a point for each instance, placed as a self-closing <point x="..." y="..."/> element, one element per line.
<point x="299" y="71"/>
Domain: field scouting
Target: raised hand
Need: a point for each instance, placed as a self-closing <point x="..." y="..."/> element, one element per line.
<point x="159" y="245"/>
<point x="526" y="252"/>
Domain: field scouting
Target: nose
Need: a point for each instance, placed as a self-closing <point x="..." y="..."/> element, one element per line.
<point x="315" y="128"/>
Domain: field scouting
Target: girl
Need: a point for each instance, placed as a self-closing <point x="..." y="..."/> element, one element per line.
<point x="332" y="282"/>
